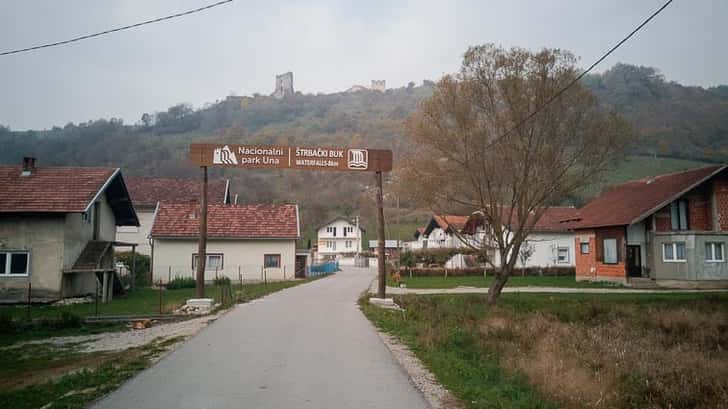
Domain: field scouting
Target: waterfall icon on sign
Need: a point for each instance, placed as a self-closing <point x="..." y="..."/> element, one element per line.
<point x="358" y="159"/>
<point x="224" y="156"/>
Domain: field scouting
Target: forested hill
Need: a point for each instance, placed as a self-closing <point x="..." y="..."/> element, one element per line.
<point x="672" y="120"/>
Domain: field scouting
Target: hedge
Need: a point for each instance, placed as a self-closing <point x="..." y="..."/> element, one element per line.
<point x="437" y="257"/>
<point x="478" y="271"/>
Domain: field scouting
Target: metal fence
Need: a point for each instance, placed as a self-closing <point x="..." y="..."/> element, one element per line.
<point x="236" y="273"/>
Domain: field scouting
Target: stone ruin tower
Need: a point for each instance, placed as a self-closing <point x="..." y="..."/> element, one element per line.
<point x="379" y="85"/>
<point x="284" y="85"/>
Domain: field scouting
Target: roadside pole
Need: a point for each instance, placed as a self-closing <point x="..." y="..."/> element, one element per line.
<point x="202" y="246"/>
<point x="382" y="274"/>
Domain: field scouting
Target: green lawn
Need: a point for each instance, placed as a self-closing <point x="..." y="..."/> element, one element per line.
<point x="143" y="301"/>
<point x="569" y="350"/>
<point x="478" y="281"/>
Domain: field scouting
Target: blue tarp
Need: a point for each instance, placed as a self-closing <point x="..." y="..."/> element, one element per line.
<point x="325" y="268"/>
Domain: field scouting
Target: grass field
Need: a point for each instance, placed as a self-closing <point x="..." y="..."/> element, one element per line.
<point x="482" y="282"/>
<point x="570" y="350"/>
<point x="637" y="167"/>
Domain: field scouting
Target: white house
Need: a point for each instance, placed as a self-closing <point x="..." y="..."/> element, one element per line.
<point x="338" y="237"/>
<point x="58" y="228"/>
<point x="444" y="231"/>
<point x="147" y="192"/>
<point x="249" y="242"/>
<point x="550" y="244"/>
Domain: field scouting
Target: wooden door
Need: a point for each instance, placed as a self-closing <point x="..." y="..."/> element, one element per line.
<point x="634" y="261"/>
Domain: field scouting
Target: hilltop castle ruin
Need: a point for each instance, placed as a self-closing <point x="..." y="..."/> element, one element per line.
<point x="284" y="85"/>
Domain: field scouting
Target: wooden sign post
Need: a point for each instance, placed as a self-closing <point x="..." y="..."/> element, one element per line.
<point x="290" y="157"/>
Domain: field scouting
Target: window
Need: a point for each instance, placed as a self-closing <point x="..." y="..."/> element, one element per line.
<point x="673" y="252"/>
<point x="610" y="251"/>
<point x="424" y="244"/>
<point x="714" y="252"/>
<point x="348" y="244"/>
<point x="584" y="247"/>
<point x="272" y="261"/>
<point x="14" y="263"/>
<point x="86" y="217"/>
<point x="214" y="262"/>
<point x="562" y="255"/>
<point x="679" y="215"/>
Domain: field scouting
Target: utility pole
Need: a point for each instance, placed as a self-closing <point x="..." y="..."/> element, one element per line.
<point x="202" y="245"/>
<point x="382" y="274"/>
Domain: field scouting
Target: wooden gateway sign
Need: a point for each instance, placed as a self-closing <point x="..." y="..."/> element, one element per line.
<point x="228" y="155"/>
<point x="291" y="157"/>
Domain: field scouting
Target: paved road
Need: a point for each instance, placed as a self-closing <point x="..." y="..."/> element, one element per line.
<point x="305" y="347"/>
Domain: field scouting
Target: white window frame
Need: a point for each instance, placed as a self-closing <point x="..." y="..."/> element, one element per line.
<point x="674" y="245"/>
<point x="348" y="244"/>
<point x="581" y="247"/>
<point x="208" y="256"/>
<point x="710" y="256"/>
<point x="8" y="263"/>
<point x="568" y="256"/>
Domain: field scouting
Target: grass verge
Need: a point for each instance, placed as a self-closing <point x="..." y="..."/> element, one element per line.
<point x="42" y="376"/>
<point x="570" y="350"/>
<point x="484" y="282"/>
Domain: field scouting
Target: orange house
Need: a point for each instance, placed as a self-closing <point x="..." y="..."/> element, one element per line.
<point x="671" y="229"/>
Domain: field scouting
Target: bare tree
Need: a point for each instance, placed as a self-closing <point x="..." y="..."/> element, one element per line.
<point x="525" y="254"/>
<point x="475" y="145"/>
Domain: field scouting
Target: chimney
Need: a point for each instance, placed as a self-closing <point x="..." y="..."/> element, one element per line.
<point x="28" y="166"/>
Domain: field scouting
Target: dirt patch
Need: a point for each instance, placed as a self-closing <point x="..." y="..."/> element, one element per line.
<point x="119" y="341"/>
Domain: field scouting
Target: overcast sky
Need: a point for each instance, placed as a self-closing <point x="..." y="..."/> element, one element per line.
<point x="329" y="46"/>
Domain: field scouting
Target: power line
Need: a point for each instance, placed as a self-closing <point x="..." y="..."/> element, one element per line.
<point x="113" y="30"/>
<point x="580" y="76"/>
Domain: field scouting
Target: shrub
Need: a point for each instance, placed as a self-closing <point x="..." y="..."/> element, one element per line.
<point x="222" y="280"/>
<point x="142" y="263"/>
<point x="181" y="282"/>
<point x="6" y="323"/>
<point x="478" y="271"/>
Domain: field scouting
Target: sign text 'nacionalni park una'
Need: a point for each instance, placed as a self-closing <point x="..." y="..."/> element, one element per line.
<point x="291" y="157"/>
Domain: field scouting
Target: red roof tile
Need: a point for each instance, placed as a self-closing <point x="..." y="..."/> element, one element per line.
<point x="50" y="189"/>
<point x="147" y="191"/>
<point x="550" y="221"/>
<point x="629" y="202"/>
<point x="227" y="221"/>
<point x="447" y="220"/>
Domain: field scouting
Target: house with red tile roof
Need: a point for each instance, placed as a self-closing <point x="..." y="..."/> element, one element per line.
<point x="550" y="243"/>
<point x="58" y="229"/>
<point x="671" y="229"/>
<point x="443" y="231"/>
<point x="249" y="242"/>
<point x="147" y="192"/>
